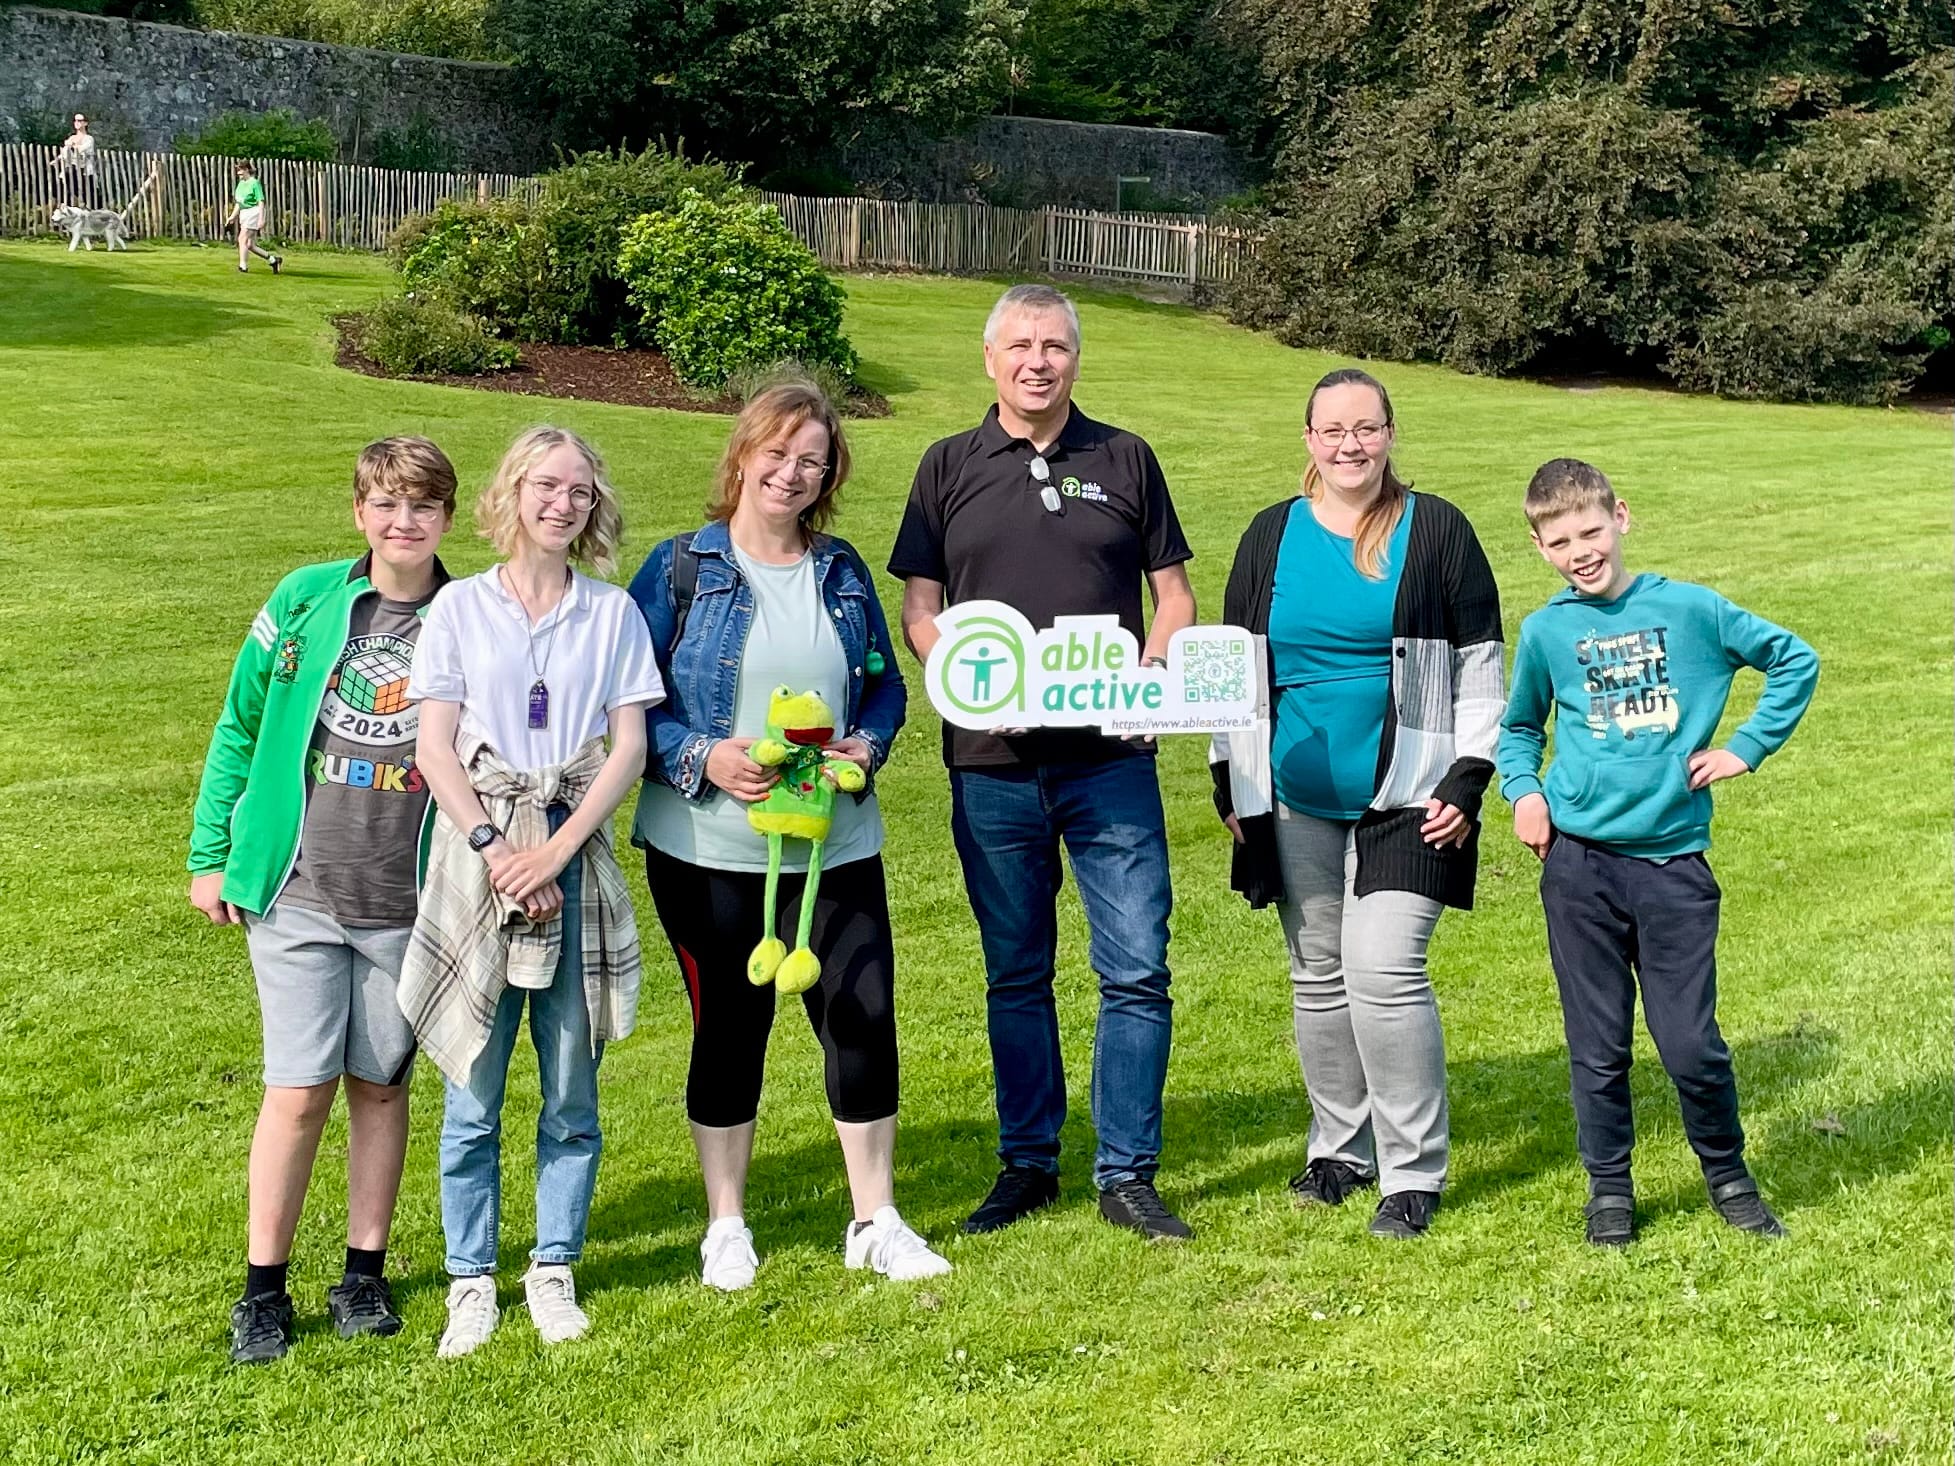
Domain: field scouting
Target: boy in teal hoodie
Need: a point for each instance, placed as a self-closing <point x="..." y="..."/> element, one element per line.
<point x="308" y="830"/>
<point x="1636" y="670"/>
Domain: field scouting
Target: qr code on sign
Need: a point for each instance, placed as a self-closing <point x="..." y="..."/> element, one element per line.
<point x="1214" y="671"/>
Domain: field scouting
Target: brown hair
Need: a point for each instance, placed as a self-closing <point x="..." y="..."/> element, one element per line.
<point x="1564" y="484"/>
<point x="1376" y="524"/>
<point x="406" y="467"/>
<point x="773" y="413"/>
<point x="497" y="517"/>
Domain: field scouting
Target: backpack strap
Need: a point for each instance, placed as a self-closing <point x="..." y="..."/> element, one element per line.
<point x="685" y="582"/>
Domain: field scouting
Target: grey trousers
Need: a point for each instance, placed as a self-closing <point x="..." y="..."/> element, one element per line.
<point x="1366" y="1020"/>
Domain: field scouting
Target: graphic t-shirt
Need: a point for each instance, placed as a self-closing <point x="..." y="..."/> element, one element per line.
<point x="248" y="192"/>
<point x="790" y="643"/>
<point x="364" y="797"/>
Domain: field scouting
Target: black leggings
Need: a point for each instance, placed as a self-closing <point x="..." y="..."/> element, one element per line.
<point x="713" y="919"/>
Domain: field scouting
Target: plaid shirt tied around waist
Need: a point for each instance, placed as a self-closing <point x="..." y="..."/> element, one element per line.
<point x="471" y="942"/>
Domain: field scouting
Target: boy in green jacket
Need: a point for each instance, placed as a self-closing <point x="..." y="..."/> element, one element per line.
<point x="1635" y="670"/>
<point x="309" y="827"/>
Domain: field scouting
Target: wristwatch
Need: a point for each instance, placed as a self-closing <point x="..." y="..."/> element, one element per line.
<point x="483" y="836"/>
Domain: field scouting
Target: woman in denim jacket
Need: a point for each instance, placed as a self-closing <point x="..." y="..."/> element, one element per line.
<point x="762" y="597"/>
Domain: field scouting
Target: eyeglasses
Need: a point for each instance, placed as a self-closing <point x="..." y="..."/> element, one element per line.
<point x="1042" y="476"/>
<point x="1368" y="434"/>
<point x="801" y="467"/>
<point x="581" y="496"/>
<point x="424" y="510"/>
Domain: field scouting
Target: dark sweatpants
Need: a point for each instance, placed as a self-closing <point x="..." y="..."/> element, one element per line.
<point x="1609" y="914"/>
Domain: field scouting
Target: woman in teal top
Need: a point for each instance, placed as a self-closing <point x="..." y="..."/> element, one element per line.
<point x="1383" y="625"/>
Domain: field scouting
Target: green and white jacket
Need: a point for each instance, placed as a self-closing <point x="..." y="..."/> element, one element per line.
<point x="251" y="802"/>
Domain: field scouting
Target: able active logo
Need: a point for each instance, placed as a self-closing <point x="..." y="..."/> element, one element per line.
<point x="991" y="669"/>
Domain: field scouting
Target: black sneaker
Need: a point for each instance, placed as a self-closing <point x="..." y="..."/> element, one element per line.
<point x="1018" y="1192"/>
<point x="1137" y="1206"/>
<point x="1611" y="1220"/>
<point x="276" y="261"/>
<point x="1404" y="1214"/>
<point x="1739" y="1203"/>
<point x="261" y="1328"/>
<point x="1325" y="1182"/>
<point x="363" y="1305"/>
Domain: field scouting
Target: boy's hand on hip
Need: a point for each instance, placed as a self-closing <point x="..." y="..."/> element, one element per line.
<point x="1532" y="826"/>
<point x="1446" y="824"/>
<point x="1707" y="767"/>
<point x="207" y="895"/>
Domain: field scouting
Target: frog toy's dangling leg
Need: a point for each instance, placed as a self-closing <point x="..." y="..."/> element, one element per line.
<point x="765" y="959"/>
<point x="801" y="969"/>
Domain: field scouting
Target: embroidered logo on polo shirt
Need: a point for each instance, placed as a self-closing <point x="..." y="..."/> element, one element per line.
<point x="1072" y="488"/>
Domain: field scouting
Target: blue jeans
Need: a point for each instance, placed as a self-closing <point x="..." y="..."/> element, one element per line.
<point x="568" y="1139"/>
<point x="1008" y="824"/>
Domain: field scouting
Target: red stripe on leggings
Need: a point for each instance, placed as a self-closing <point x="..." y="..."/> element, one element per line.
<point x="690" y="970"/>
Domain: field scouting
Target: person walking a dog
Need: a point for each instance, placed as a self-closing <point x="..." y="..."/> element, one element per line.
<point x="74" y="160"/>
<point x="248" y="213"/>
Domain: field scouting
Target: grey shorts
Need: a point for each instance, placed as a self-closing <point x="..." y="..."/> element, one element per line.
<point x="327" y="996"/>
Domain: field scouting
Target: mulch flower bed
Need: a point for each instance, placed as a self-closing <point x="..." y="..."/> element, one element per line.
<point x="632" y="377"/>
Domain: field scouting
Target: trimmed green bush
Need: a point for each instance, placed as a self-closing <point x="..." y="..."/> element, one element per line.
<point x="547" y="271"/>
<point x="276" y="134"/>
<point x="723" y="285"/>
<point x="744" y="382"/>
<point x="410" y="337"/>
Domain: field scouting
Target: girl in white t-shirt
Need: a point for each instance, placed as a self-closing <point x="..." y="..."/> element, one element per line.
<point x="523" y="674"/>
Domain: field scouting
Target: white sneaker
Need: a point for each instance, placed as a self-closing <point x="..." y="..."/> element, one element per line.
<point x="553" y="1303"/>
<point x="888" y="1245"/>
<point x="471" y="1316"/>
<point x="727" y="1259"/>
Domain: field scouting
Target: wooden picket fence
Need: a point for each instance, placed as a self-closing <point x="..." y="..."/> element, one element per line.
<point x="358" y="208"/>
<point x="977" y="239"/>
<point x="305" y="203"/>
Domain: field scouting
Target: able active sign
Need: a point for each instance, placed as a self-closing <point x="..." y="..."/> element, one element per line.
<point x="991" y="669"/>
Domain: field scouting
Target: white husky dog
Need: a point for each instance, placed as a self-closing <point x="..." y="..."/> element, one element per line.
<point x="85" y="226"/>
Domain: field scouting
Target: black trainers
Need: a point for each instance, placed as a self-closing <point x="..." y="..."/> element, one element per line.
<point x="1137" y="1206"/>
<point x="1739" y="1203"/>
<point x="1325" y="1182"/>
<point x="1611" y="1220"/>
<point x="1404" y="1214"/>
<point x="276" y="261"/>
<point x="1018" y="1192"/>
<point x="363" y="1305"/>
<point x="261" y="1328"/>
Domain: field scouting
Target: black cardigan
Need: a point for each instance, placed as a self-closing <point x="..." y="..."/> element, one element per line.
<point x="1445" y="592"/>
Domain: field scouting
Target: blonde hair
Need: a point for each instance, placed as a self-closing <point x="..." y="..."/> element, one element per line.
<point x="773" y="413"/>
<point x="498" y="518"/>
<point x="405" y="467"/>
<point x="1380" y="517"/>
<point x="1564" y="484"/>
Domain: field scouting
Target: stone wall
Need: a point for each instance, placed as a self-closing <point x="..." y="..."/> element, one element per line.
<point x="1028" y="162"/>
<point x="143" y="84"/>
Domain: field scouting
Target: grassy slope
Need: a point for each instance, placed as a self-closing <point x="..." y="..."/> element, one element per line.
<point x="175" y="437"/>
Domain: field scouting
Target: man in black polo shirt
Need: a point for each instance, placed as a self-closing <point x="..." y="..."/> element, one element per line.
<point x="1055" y="514"/>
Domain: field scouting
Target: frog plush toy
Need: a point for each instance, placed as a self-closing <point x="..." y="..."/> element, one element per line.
<point x="801" y="805"/>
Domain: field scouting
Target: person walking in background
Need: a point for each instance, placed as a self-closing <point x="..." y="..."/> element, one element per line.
<point x="987" y="519"/>
<point x="764" y="597"/>
<point x="248" y="213"/>
<point x="308" y="828"/>
<point x="1635" y="671"/>
<point x="1357" y="811"/>
<point x="74" y="161"/>
<point x="524" y="673"/>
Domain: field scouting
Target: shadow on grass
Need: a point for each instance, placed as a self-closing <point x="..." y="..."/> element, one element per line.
<point x="1515" y="1107"/>
<point x="56" y="302"/>
<point x="890" y="381"/>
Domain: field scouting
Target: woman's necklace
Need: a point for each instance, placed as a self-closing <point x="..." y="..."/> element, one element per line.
<point x="539" y="690"/>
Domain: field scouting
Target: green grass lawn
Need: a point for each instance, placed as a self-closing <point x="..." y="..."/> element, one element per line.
<point x="173" y="438"/>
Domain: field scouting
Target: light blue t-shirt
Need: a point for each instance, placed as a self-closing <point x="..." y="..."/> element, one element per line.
<point x="792" y="644"/>
<point x="1330" y="636"/>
